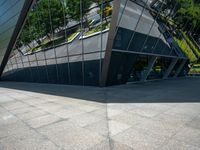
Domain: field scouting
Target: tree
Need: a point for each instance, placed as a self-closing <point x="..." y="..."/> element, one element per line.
<point x="26" y="36"/>
<point x="38" y="23"/>
<point x="50" y="15"/>
<point x="188" y="15"/>
<point x="78" y="9"/>
<point x="185" y="13"/>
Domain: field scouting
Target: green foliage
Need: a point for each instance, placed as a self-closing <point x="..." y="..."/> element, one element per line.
<point x="195" y="69"/>
<point x="71" y="36"/>
<point x="186" y="49"/>
<point x="59" y="40"/>
<point x="189" y="14"/>
<point x="49" y="15"/>
<point x="186" y="13"/>
<point x="74" y="9"/>
<point x="38" y="21"/>
<point x="191" y="44"/>
<point x="98" y="28"/>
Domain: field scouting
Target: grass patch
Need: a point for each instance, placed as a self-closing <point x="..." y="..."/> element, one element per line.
<point x="195" y="69"/>
<point x="46" y="44"/>
<point x="186" y="49"/>
<point x="191" y="44"/>
<point x="59" y="40"/>
<point x="71" y="36"/>
<point x="97" y="28"/>
<point x="40" y="47"/>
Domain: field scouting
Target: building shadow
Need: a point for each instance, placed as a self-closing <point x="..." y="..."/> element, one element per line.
<point x="182" y="90"/>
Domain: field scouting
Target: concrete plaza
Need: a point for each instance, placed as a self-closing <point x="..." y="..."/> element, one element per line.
<point x="163" y="115"/>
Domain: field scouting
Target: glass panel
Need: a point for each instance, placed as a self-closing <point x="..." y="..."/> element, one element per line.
<point x="76" y="75"/>
<point x="175" y="68"/>
<point x="56" y="37"/>
<point x="159" y="68"/>
<point x="143" y="26"/>
<point x="91" y="67"/>
<point x="139" y="68"/>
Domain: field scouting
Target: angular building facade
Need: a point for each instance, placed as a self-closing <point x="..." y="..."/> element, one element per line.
<point x="93" y="42"/>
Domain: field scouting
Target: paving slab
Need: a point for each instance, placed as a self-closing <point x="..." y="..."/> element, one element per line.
<point x="29" y="140"/>
<point x="42" y="121"/>
<point x="162" y="115"/>
<point x="70" y="136"/>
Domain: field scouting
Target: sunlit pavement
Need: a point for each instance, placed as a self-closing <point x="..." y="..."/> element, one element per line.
<point x="153" y="115"/>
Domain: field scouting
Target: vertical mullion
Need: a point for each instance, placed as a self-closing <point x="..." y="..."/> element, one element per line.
<point x="120" y="18"/>
<point x="161" y="35"/>
<point x="52" y="32"/>
<point x="101" y="44"/>
<point x="82" y="43"/>
<point x="45" y="60"/>
<point x="16" y="61"/>
<point x="34" y="54"/>
<point x="147" y="37"/>
<point x="28" y="54"/>
<point x="67" y="46"/>
<point x="143" y="9"/>
<point x="11" y="64"/>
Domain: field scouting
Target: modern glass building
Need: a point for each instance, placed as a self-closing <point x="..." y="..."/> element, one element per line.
<point x="87" y="42"/>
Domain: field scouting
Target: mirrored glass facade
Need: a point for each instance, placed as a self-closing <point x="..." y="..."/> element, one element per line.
<point x="143" y="45"/>
<point x="63" y="41"/>
<point x="9" y="14"/>
<point x="95" y="42"/>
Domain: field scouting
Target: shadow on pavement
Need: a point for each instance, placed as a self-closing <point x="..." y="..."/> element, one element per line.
<point x="180" y="90"/>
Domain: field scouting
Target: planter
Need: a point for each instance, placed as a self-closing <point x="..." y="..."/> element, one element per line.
<point x="93" y="34"/>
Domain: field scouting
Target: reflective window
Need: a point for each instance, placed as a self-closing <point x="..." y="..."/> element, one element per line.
<point x="62" y="41"/>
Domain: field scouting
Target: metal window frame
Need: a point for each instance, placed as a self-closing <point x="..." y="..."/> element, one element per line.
<point x="20" y="23"/>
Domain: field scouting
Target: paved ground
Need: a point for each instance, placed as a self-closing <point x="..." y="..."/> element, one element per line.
<point x="160" y="115"/>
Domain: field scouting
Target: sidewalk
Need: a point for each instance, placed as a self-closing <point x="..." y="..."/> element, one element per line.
<point x="157" y="115"/>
